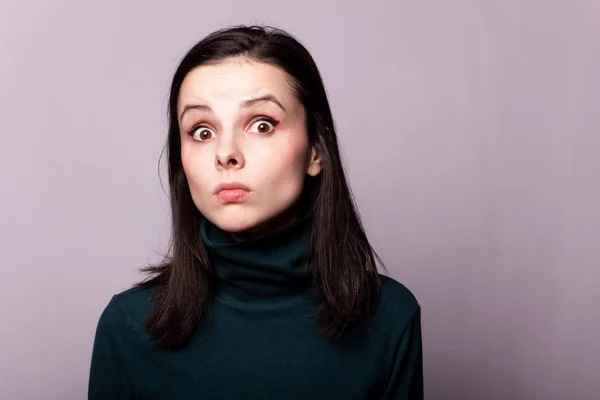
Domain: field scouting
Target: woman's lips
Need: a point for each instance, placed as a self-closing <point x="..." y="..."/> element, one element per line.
<point x="232" y="195"/>
<point x="231" y="192"/>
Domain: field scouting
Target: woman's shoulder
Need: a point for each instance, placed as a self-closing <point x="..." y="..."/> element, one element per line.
<point x="135" y="297"/>
<point x="397" y="303"/>
<point x="128" y="308"/>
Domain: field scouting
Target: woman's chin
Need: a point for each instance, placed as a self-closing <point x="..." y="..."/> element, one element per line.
<point x="245" y="222"/>
<point x="234" y="222"/>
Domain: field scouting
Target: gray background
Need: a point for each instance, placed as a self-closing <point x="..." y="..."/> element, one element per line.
<point x="470" y="131"/>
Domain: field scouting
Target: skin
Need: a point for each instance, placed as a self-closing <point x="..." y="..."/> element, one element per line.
<point x="235" y="145"/>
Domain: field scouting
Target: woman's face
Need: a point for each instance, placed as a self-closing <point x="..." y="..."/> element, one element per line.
<point x="240" y="124"/>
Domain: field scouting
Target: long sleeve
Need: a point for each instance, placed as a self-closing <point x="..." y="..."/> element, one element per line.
<point x="108" y="376"/>
<point x="406" y="380"/>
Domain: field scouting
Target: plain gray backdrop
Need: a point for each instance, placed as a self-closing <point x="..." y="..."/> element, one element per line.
<point x="470" y="130"/>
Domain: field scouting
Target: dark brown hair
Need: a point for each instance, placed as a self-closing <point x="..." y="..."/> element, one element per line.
<point x="345" y="276"/>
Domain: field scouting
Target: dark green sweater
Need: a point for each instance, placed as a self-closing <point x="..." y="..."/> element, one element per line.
<point x="258" y="343"/>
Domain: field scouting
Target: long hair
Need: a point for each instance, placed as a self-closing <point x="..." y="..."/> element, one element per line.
<point x="344" y="278"/>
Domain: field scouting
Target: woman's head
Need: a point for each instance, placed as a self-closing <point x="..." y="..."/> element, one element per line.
<point x="241" y="123"/>
<point x="247" y="105"/>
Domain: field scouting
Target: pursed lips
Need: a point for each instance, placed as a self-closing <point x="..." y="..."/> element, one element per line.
<point x="232" y="191"/>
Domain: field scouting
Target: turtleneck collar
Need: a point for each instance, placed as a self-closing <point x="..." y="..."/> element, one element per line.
<point x="265" y="271"/>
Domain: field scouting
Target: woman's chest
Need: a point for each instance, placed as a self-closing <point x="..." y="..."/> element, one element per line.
<point x="263" y="359"/>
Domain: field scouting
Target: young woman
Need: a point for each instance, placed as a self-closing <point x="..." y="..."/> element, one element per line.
<point x="270" y="289"/>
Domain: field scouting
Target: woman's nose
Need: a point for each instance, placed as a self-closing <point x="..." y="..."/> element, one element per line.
<point x="228" y="154"/>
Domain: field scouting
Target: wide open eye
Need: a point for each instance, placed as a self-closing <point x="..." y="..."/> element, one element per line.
<point x="263" y="126"/>
<point x="202" y="133"/>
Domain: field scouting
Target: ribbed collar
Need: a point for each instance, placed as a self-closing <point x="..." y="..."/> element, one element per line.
<point x="267" y="271"/>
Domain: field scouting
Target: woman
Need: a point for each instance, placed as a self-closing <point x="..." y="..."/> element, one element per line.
<point x="270" y="289"/>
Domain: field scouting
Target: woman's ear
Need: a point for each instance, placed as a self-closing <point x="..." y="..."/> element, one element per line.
<point x="315" y="164"/>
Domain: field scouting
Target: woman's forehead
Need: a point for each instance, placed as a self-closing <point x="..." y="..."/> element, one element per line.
<point x="235" y="80"/>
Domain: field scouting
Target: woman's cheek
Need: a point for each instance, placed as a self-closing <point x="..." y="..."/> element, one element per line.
<point x="197" y="181"/>
<point x="290" y="156"/>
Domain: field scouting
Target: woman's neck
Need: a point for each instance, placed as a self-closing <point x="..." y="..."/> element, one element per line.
<point x="265" y="271"/>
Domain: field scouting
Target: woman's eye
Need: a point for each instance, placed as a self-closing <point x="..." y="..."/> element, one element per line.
<point x="263" y="126"/>
<point x="202" y="133"/>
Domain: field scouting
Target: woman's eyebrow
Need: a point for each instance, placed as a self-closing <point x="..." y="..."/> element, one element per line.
<point x="267" y="97"/>
<point x="243" y="104"/>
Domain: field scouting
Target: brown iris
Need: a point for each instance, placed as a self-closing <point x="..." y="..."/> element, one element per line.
<point x="204" y="134"/>
<point x="263" y="127"/>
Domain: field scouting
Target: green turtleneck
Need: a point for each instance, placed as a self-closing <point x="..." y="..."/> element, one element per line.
<point x="266" y="272"/>
<point x="259" y="343"/>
